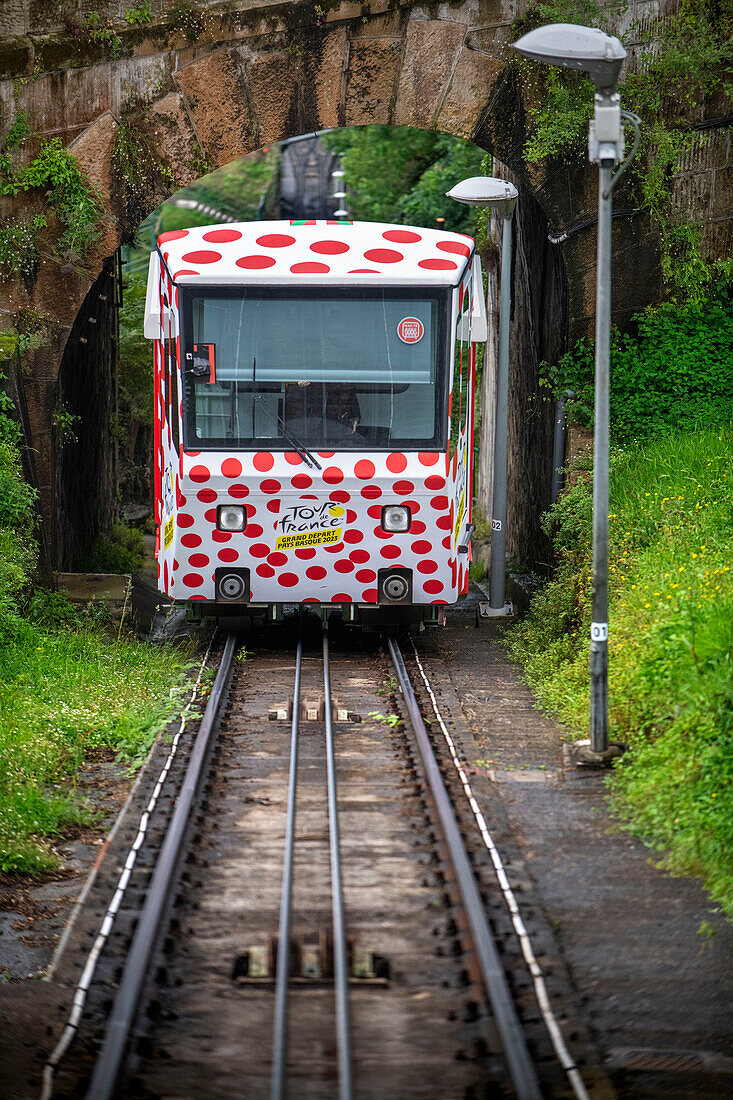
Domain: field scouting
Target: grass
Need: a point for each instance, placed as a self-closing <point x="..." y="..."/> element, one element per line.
<point x="63" y="693"/>
<point x="670" y="643"/>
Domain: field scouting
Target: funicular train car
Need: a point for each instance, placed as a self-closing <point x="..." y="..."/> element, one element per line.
<point x="314" y="396"/>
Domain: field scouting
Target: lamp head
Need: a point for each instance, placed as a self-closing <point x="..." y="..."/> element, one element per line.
<point x="500" y="195"/>
<point x="594" y="52"/>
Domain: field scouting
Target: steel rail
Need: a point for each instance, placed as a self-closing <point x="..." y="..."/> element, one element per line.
<point x="107" y="1066"/>
<point x="280" y="1040"/>
<point x="519" y="1061"/>
<point x="340" y="967"/>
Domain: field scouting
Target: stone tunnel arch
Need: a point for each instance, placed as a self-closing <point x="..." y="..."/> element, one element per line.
<point x="268" y="74"/>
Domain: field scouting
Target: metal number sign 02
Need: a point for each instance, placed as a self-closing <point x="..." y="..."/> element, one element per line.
<point x="496" y="525"/>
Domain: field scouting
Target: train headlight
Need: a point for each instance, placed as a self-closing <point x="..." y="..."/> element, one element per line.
<point x="396" y="517"/>
<point x="231" y="517"/>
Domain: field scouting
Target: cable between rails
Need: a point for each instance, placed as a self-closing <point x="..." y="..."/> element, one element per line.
<point x="543" y="1000"/>
<point x="87" y="977"/>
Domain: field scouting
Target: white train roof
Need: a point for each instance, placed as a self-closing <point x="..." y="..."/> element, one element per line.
<point x="315" y="252"/>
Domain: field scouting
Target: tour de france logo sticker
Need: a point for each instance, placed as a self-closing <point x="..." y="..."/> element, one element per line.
<point x="318" y="525"/>
<point x="410" y="330"/>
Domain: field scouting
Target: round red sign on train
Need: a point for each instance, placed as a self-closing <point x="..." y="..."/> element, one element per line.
<point x="410" y="330"/>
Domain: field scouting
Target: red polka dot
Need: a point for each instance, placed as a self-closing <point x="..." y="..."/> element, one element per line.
<point x="437" y="265"/>
<point x="341" y="496"/>
<point x="183" y="271"/>
<point x="231" y="467"/>
<point x="433" y="587"/>
<point x="341" y="597"/>
<point x="192" y="454"/>
<point x="456" y="247"/>
<point x="402" y="488"/>
<point x="427" y="566"/>
<point x="263" y="461"/>
<point x="326" y="454"/>
<point x="353" y="536"/>
<point x="204" y="256"/>
<point x="332" y="475"/>
<point x="175" y="565"/>
<point x="253" y="531"/>
<point x="222" y="236"/>
<point x="238" y="491"/>
<point x="390" y="551"/>
<point x="193" y="580"/>
<point x="293" y="458"/>
<point x="255" y="263"/>
<point x="315" y="572"/>
<point x="439" y="503"/>
<point x="369" y="595"/>
<point x="310" y="268"/>
<point x="180" y="499"/>
<point x="221" y="536"/>
<point x="306" y="553"/>
<point x="275" y="240"/>
<point x="434" y="482"/>
<point x="227" y="555"/>
<point x="364" y="469"/>
<point x="172" y="235"/>
<point x="375" y="511"/>
<point x="311" y="599"/>
<point x="184" y="520"/>
<point x="270" y="485"/>
<point x="259" y="550"/>
<point x="198" y="561"/>
<point x="396" y="463"/>
<point x="359" y="556"/>
<point x="343" y="565"/>
<point x="365" y="576"/>
<point x="265" y="571"/>
<point x="383" y="256"/>
<point x="301" y="481"/>
<point x="329" y="248"/>
<point x="413" y="506"/>
<point x="334" y="548"/>
<point x="381" y="534"/>
<point x="351" y="516"/>
<point x="200" y="474"/>
<point x="206" y="496"/>
<point x="371" y="492"/>
<point x="422" y="546"/>
<point x="191" y="541"/>
<point x="401" y="236"/>
<point x="273" y="506"/>
<point x="417" y="527"/>
<point x="196" y="597"/>
<point x="277" y="558"/>
<point x="447" y="542"/>
<point x="444" y="523"/>
<point x="288" y="580"/>
<point x="210" y="515"/>
<point x="165" y="574"/>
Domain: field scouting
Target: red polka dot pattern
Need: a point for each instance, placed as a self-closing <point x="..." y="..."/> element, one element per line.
<point x="263" y="461"/>
<point x="172" y="235"/>
<point x="364" y="469"/>
<point x="359" y="557"/>
<point x="383" y="255"/>
<point x="390" y="551"/>
<point x="185" y="520"/>
<point x="401" y="236"/>
<point x="275" y="240"/>
<point x="206" y="496"/>
<point x="255" y="263"/>
<point x="198" y="560"/>
<point x="277" y="558"/>
<point x="428" y="458"/>
<point x="222" y="236"/>
<point x="437" y="265"/>
<point x="190" y="541"/>
<point x="199" y="474"/>
<point x="288" y="580"/>
<point x="270" y="485"/>
<point x="403" y="488"/>
<point x="204" y="256"/>
<point x="456" y="247"/>
<point x="301" y="481"/>
<point x="315" y="572"/>
<point x="227" y="555"/>
<point x="434" y="482"/>
<point x="238" y="491"/>
<point x="329" y="248"/>
<point x="343" y="565"/>
<point x="231" y="467"/>
<point x="433" y="587"/>
<point x="193" y="580"/>
<point x="310" y="268"/>
<point x="293" y="458"/>
<point x="332" y="475"/>
<point x="306" y="553"/>
<point x="396" y="463"/>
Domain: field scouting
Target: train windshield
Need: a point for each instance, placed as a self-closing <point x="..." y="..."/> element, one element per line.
<point x="343" y="369"/>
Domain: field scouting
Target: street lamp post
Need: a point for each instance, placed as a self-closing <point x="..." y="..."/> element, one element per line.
<point x="501" y="197"/>
<point x="600" y="56"/>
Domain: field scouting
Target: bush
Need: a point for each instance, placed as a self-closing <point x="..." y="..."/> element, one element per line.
<point x="123" y="552"/>
<point x="675" y="371"/>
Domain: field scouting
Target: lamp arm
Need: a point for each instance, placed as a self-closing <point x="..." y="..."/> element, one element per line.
<point x="635" y="121"/>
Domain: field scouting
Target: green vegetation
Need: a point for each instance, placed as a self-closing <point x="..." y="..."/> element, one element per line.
<point x="18" y="250"/>
<point x="66" y="689"/>
<point x="399" y="174"/>
<point x="670" y="642"/>
<point x="683" y="60"/>
<point x="675" y="370"/>
<point x="122" y="552"/>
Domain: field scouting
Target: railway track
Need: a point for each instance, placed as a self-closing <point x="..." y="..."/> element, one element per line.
<point x="303" y="939"/>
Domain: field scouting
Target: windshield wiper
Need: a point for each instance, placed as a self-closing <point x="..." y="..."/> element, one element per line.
<point x="309" y="458"/>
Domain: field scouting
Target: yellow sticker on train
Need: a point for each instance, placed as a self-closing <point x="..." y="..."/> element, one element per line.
<point x="167" y="533"/>
<point x="308" y="538"/>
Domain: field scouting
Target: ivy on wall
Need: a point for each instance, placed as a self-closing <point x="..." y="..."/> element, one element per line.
<point x="683" y="61"/>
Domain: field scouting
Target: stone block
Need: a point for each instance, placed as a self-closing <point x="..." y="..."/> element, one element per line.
<point x="492" y="40"/>
<point x="371" y="78"/>
<point x="717" y="239"/>
<point x="429" y="55"/>
<point x="379" y="26"/>
<point x="273" y="89"/>
<point x="329" y="77"/>
<point x="722" y="204"/>
<point x="692" y="195"/>
<point x="46" y="99"/>
<point x="706" y="149"/>
<point x="171" y="134"/>
<point x="216" y="97"/>
<point x="469" y="93"/>
<point x="13" y="19"/>
<point x="139" y="79"/>
<point x="93" y="151"/>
